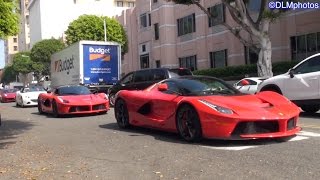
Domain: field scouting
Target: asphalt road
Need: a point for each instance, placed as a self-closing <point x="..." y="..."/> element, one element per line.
<point x="34" y="146"/>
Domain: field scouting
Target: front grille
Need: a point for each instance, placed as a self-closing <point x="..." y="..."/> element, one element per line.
<point x="79" y="108"/>
<point x="257" y="127"/>
<point x="98" y="107"/>
<point x="291" y="124"/>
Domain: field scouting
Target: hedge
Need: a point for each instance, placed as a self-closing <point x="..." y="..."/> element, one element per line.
<point x="239" y="72"/>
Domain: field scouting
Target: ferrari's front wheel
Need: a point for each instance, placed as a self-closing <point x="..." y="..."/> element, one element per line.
<point x="55" y="112"/>
<point x="111" y="99"/>
<point x="40" y="107"/>
<point x="188" y="124"/>
<point x="121" y="113"/>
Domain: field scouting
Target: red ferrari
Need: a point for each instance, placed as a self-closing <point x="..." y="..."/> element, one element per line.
<point x="72" y="100"/>
<point x="8" y="95"/>
<point x="205" y="107"/>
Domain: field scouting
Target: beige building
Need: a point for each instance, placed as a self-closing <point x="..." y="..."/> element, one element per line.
<point x="24" y="34"/>
<point x="10" y="48"/>
<point x="164" y="34"/>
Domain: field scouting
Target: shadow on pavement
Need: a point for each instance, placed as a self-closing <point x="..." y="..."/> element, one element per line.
<point x="9" y="129"/>
<point x="175" y="138"/>
<point x="48" y="115"/>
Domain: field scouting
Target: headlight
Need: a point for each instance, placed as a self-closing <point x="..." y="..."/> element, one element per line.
<point x="105" y="96"/>
<point x="5" y="95"/>
<point x="63" y="100"/>
<point x="220" y="109"/>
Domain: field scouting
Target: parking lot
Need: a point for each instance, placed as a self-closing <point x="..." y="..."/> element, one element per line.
<point x="34" y="146"/>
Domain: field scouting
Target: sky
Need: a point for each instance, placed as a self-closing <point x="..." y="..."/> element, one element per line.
<point x="1" y="53"/>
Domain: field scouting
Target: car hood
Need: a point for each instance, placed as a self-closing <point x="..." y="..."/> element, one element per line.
<point x="84" y="99"/>
<point x="256" y="106"/>
<point x="32" y="95"/>
<point x="9" y="95"/>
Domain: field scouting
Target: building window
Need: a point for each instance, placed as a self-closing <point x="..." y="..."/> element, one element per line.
<point x="156" y="31"/>
<point x="155" y="1"/>
<point x="218" y="12"/>
<point x="144" y="61"/>
<point x="119" y="3"/>
<point x="149" y="19"/>
<point x="15" y="40"/>
<point x="218" y="59"/>
<point x="143" y="48"/>
<point x="304" y="45"/>
<point x="143" y="20"/>
<point x="158" y="64"/>
<point x="130" y="4"/>
<point x="186" y="25"/>
<point x="250" y="56"/>
<point x="189" y="62"/>
<point x="27" y="19"/>
<point x="15" y="48"/>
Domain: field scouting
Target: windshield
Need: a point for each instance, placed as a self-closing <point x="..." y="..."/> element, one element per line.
<point x="9" y="90"/>
<point x="181" y="71"/>
<point x="34" y="89"/>
<point x="73" y="90"/>
<point x="201" y="86"/>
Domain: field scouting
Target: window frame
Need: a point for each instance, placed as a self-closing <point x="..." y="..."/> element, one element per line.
<point x="213" y="60"/>
<point x="219" y="19"/>
<point x="186" y="25"/>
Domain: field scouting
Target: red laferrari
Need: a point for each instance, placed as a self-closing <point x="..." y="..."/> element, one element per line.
<point x="200" y="106"/>
<point x="8" y="95"/>
<point x="72" y="100"/>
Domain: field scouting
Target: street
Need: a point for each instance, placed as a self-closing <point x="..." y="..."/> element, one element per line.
<point x="34" y="146"/>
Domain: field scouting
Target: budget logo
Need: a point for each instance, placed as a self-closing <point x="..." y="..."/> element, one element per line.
<point x="99" y="53"/>
<point x="64" y="65"/>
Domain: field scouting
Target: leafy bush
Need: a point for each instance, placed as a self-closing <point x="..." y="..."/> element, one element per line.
<point x="239" y="72"/>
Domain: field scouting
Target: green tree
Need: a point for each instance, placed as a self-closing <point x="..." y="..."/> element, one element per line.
<point x="9" y="19"/>
<point x="91" y="27"/>
<point x="9" y="75"/>
<point x="22" y="64"/>
<point x="41" y="53"/>
<point x="257" y="28"/>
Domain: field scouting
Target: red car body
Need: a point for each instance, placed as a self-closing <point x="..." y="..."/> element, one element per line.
<point x="8" y="95"/>
<point x="57" y="104"/>
<point x="264" y="115"/>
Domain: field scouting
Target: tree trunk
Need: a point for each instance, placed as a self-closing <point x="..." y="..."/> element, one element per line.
<point x="264" y="64"/>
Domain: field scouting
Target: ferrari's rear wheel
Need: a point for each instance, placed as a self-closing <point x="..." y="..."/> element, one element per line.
<point x="122" y="114"/>
<point x="55" y="112"/>
<point x="188" y="124"/>
<point x="40" y="107"/>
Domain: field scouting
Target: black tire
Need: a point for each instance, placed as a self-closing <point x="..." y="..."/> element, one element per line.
<point x="55" y="112"/>
<point x="40" y="107"/>
<point x="310" y="108"/>
<point x="17" y="105"/>
<point x="111" y="99"/>
<point x="188" y="124"/>
<point x="122" y="114"/>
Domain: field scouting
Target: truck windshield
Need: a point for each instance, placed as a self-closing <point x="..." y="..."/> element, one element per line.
<point x="73" y="90"/>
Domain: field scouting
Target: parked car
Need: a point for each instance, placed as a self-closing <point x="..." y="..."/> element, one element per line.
<point x="28" y="96"/>
<point x="72" y="100"/>
<point x="200" y="106"/>
<point x="300" y="84"/>
<point x="7" y="95"/>
<point x="249" y="85"/>
<point x="141" y="79"/>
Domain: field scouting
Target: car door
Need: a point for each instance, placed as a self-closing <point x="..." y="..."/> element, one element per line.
<point x="305" y="81"/>
<point x="164" y="104"/>
<point x="126" y="83"/>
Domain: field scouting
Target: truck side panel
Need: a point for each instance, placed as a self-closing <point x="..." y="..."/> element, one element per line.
<point x="100" y="64"/>
<point x="65" y="67"/>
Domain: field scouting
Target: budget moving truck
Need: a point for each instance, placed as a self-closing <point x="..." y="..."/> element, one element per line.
<point x="94" y="64"/>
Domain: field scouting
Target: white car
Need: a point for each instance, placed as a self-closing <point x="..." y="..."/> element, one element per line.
<point x="29" y="96"/>
<point x="249" y="85"/>
<point x="301" y="84"/>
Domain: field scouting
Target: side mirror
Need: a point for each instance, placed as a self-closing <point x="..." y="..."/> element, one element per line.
<point x="244" y="82"/>
<point x="291" y="71"/>
<point x="163" y="87"/>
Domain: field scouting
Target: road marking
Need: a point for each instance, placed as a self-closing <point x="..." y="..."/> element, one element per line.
<point x="298" y="138"/>
<point x="306" y="133"/>
<point x="230" y="148"/>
